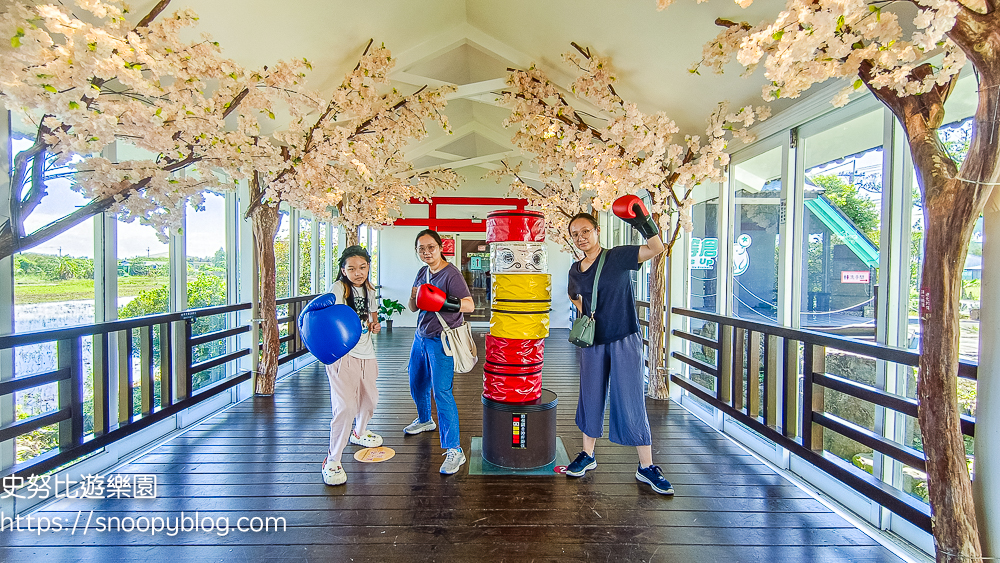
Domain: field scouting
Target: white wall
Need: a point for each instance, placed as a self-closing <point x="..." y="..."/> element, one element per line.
<point x="398" y="265"/>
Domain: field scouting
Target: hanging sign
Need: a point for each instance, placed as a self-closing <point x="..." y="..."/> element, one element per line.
<point x="447" y="246"/>
<point x="864" y="276"/>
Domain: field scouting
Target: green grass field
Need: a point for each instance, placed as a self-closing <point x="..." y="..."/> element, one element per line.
<point x="32" y="291"/>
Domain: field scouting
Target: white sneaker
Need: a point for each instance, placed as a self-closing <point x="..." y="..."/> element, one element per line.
<point x="333" y="472"/>
<point x="453" y="462"/>
<point x="368" y="440"/>
<point x="416" y="427"/>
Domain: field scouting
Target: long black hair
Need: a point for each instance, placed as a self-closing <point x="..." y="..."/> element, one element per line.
<point x="349" y="252"/>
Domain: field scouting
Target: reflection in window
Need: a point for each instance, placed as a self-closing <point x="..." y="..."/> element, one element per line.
<point x="757" y="236"/>
<point x="704" y="262"/>
<point x="842" y="226"/>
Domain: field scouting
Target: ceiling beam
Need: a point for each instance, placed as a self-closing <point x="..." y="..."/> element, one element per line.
<point x="475" y="89"/>
<point x="434" y="143"/>
<point x="470" y="161"/>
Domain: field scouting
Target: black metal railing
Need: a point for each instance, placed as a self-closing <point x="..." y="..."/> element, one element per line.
<point x="775" y="408"/>
<point x="169" y="354"/>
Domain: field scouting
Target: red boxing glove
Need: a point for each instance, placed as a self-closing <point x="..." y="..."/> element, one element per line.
<point x="431" y="298"/>
<point x="631" y="209"/>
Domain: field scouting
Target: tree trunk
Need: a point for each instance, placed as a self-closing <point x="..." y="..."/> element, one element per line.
<point x="265" y="226"/>
<point x="948" y="484"/>
<point x="350" y="235"/>
<point x="952" y="201"/>
<point x="659" y="384"/>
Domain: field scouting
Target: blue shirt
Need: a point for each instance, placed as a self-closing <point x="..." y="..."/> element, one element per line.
<point x="615" y="316"/>
<point x="449" y="280"/>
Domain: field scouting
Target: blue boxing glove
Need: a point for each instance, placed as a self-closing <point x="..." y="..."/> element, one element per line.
<point x="329" y="330"/>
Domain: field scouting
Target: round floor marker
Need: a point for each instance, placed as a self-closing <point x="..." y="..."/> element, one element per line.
<point x="559" y="469"/>
<point x="374" y="455"/>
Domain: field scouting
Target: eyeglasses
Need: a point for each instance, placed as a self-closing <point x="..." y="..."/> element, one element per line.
<point x="427" y="249"/>
<point x="582" y="233"/>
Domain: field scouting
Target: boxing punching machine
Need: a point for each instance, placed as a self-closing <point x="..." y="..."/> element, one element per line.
<point x="519" y="416"/>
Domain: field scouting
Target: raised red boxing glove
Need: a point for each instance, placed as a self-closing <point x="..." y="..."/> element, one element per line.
<point x="431" y="298"/>
<point x="631" y="209"/>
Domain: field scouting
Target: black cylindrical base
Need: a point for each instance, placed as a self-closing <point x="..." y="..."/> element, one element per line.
<point x="520" y="435"/>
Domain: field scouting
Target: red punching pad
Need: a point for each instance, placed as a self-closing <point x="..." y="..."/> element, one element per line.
<point x="512" y="388"/>
<point x="513" y="369"/>
<point x="509" y="225"/>
<point x="514" y="351"/>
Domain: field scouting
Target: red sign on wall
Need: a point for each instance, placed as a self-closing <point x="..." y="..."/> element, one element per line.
<point x="864" y="276"/>
<point x="447" y="246"/>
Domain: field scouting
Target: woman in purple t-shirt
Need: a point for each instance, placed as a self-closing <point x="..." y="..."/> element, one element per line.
<point x="431" y="370"/>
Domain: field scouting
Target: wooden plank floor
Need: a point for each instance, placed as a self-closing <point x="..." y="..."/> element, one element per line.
<point x="262" y="458"/>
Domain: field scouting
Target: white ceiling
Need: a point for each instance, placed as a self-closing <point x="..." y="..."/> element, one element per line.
<point x="470" y="43"/>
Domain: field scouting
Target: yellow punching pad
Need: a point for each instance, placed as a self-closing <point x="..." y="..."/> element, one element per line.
<point x="533" y="287"/>
<point x="520" y="305"/>
<point x="525" y="326"/>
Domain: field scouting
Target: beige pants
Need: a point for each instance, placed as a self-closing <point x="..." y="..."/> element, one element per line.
<point x="353" y="395"/>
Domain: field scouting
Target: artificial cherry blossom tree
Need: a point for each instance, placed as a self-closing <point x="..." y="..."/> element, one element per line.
<point x="868" y="44"/>
<point x="89" y="78"/>
<point x="341" y="159"/>
<point x="586" y="162"/>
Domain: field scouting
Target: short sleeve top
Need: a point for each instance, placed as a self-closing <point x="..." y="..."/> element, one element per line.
<point x="448" y="279"/>
<point x="615" y="317"/>
<point x="364" y="349"/>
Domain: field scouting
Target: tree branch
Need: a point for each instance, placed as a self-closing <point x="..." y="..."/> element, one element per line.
<point x="156" y="11"/>
<point x="20" y="244"/>
<point x="235" y="102"/>
<point x="921" y="115"/>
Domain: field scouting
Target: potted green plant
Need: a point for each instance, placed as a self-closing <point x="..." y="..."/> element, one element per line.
<point x="386" y="310"/>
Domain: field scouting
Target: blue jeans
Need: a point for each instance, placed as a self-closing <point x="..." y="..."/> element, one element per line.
<point x="431" y="369"/>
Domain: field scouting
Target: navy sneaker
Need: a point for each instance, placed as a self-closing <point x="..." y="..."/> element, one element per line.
<point x="654" y="477"/>
<point x="582" y="464"/>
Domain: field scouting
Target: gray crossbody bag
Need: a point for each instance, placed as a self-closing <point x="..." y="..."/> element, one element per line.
<point x="582" y="332"/>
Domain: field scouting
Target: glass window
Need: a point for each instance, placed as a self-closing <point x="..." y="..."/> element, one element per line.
<point x="842" y="226"/>
<point x="53" y="288"/>
<point x="305" y="256"/>
<point x="704" y="261"/>
<point x="373" y="244"/>
<point x="205" y="241"/>
<point x="282" y="255"/>
<point x="321" y="263"/>
<point x="757" y="236"/>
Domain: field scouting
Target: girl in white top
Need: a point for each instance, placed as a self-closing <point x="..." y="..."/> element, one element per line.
<point x="353" y="393"/>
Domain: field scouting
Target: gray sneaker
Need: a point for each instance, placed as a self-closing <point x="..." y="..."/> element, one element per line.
<point x="453" y="462"/>
<point x="416" y="427"/>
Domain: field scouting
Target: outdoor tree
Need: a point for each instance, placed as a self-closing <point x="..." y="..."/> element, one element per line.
<point x="586" y="162"/>
<point x="865" y="42"/>
<point x="341" y="159"/>
<point x="86" y="78"/>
